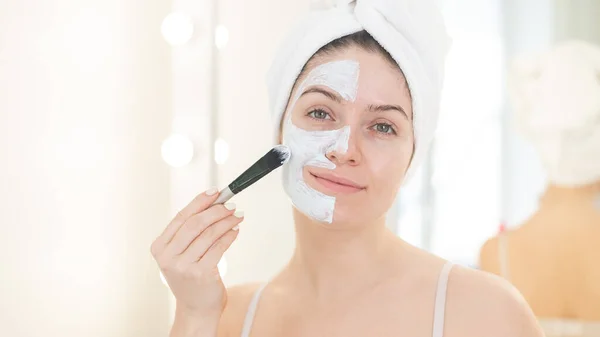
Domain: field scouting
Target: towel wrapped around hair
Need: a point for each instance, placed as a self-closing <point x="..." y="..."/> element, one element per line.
<point x="556" y="96"/>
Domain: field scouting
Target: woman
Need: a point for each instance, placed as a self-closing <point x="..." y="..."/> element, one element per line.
<point x="561" y="238"/>
<point x="357" y="117"/>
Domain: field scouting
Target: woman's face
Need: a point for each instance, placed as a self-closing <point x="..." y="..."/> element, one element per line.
<point x="349" y="126"/>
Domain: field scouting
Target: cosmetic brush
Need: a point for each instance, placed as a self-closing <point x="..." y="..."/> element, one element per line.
<point x="276" y="157"/>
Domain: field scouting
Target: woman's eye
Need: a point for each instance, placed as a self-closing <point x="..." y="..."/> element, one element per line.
<point x="319" y="114"/>
<point x="384" y="128"/>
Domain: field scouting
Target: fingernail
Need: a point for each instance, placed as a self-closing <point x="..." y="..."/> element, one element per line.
<point x="239" y="214"/>
<point x="230" y="206"/>
<point x="236" y="228"/>
<point x="212" y="191"/>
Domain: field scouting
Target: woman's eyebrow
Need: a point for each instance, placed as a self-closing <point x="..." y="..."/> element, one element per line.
<point x="387" y="107"/>
<point x="332" y="96"/>
<point x="372" y="108"/>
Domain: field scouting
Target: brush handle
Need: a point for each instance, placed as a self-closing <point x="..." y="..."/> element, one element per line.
<point x="267" y="163"/>
<point x="254" y="173"/>
<point x="224" y="196"/>
<point x="248" y="178"/>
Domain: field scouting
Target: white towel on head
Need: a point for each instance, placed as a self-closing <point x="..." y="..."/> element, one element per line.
<point x="412" y="31"/>
<point x="556" y="96"/>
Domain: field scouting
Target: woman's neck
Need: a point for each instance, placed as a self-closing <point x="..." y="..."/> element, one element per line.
<point x="340" y="261"/>
<point x="565" y="194"/>
<point x="567" y="209"/>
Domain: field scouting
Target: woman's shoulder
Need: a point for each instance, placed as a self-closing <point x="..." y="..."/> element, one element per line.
<point x="239" y="298"/>
<point x="489" y="255"/>
<point x="482" y="304"/>
<point x="242" y="292"/>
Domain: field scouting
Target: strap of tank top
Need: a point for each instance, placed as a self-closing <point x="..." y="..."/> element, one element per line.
<point x="503" y="255"/>
<point x="439" y="313"/>
<point x="249" y="319"/>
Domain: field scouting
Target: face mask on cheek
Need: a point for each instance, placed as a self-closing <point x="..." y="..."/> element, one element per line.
<point x="309" y="148"/>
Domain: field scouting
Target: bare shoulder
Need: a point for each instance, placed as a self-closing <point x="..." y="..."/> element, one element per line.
<point x="238" y="301"/>
<point x="483" y="304"/>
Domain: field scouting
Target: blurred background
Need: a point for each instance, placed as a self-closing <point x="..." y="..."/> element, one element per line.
<point x="114" y="114"/>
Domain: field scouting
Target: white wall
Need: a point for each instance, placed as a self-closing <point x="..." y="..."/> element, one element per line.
<point x="528" y="27"/>
<point x="255" y="28"/>
<point x="466" y="152"/>
<point x="84" y="105"/>
<point x="577" y="20"/>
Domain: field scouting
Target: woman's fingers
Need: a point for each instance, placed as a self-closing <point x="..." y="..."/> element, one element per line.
<point x="210" y="236"/>
<point x="216" y="251"/>
<point x="197" y="229"/>
<point x="196" y="225"/>
<point x="198" y="204"/>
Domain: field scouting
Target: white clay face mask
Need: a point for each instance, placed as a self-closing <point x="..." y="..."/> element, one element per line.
<point x="309" y="148"/>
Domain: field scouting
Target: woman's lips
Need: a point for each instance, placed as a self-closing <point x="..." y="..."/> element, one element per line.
<point x="337" y="184"/>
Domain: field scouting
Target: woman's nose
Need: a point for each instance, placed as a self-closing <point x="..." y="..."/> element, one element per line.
<point x="346" y="149"/>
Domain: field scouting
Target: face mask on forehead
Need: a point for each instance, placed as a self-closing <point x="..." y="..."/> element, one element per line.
<point x="310" y="148"/>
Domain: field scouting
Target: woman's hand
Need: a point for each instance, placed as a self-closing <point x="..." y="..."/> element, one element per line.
<point x="187" y="253"/>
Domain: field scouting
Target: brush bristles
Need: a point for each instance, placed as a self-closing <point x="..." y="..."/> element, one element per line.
<point x="283" y="153"/>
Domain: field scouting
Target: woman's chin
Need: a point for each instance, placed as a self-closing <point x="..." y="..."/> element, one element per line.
<point x="349" y="216"/>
